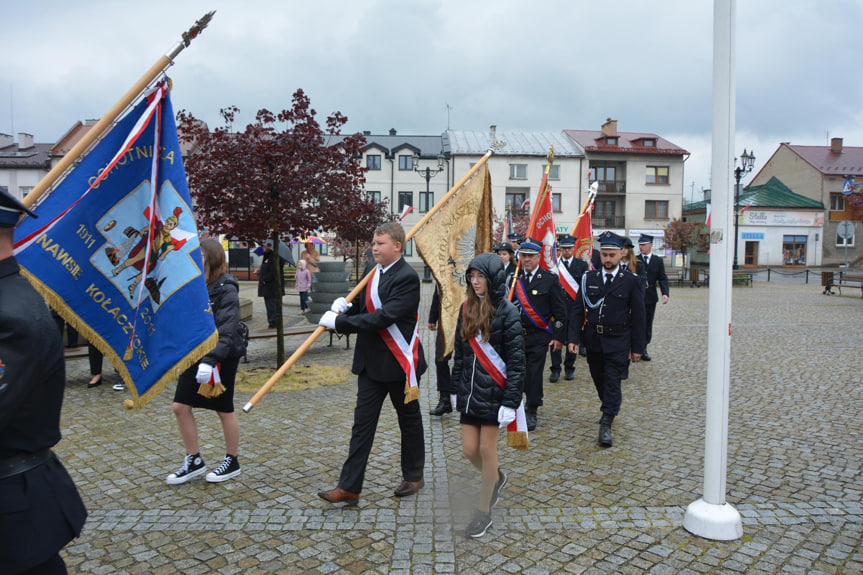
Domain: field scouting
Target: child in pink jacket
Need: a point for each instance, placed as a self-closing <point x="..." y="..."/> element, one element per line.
<point x="304" y="284"/>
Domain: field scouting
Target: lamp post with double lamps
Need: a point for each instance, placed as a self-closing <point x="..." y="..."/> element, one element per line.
<point x="747" y="161"/>
<point x="428" y="173"/>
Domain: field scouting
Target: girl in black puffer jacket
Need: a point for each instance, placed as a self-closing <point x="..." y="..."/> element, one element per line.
<point x="490" y="320"/>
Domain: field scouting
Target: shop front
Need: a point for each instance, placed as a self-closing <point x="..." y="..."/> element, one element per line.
<point x="789" y="238"/>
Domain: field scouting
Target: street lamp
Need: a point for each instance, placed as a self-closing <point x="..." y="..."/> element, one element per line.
<point x="747" y="161"/>
<point x="428" y="173"/>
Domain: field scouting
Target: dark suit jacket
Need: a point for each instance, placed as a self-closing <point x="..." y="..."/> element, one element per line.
<point x="577" y="267"/>
<point x="400" y="297"/>
<point x="623" y="305"/>
<point x="549" y="300"/>
<point x="655" y="276"/>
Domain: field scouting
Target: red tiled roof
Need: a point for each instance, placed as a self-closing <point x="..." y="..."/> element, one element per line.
<point x="848" y="162"/>
<point x="627" y="143"/>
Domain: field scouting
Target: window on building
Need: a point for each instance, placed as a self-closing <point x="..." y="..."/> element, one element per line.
<point x="794" y="250"/>
<point x="406" y="162"/>
<point x="374" y="196"/>
<point x="656" y="175"/>
<point x="604" y="173"/>
<point x="649" y="142"/>
<point x="656" y="209"/>
<point x="409" y="248"/>
<point x="405" y="199"/>
<point x="837" y="202"/>
<point x="555" y="203"/>
<point x="515" y="198"/>
<point x="604" y="208"/>
<point x="842" y="242"/>
<point x="426" y="201"/>
<point x="373" y="161"/>
<point x="324" y="249"/>
<point x="554" y="173"/>
<point x="23" y="191"/>
<point x="611" y="140"/>
<point x="518" y="171"/>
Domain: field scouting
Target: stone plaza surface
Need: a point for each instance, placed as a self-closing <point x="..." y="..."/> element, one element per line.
<point x="794" y="464"/>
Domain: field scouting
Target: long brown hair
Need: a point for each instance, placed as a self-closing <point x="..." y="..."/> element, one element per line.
<point x="214" y="260"/>
<point x="631" y="261"/>
<point x="476" y="314"/>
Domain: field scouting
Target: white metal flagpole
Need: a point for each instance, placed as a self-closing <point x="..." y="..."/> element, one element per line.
<point x="711" y="516"/>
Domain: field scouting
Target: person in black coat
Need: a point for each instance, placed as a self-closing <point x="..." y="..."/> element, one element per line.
<point x="394" y="304"/>
<point x="441" y="362"/>
<point x="223" y="290"/>
<point x="267" y="284"/>
<point x="40" y="507"/>
<point x="507" y="256"/>
<point x="488" y="333"/>
<point x="608" y="317"/>
<point x="543" y="319"/>
<point x="575" y="267"/>
<point x="655" y="277"/>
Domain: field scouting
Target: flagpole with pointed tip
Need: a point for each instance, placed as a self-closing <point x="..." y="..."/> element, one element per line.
<point x="362" y="283"/>
<point x="111" y="115"/>
<point x="543" y="191"/>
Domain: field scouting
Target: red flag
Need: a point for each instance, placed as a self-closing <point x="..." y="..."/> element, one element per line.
<point x="582" y="231"/>
<point x="707" y="216"/>
<point x="543" y="227"/>
<point x="746" y="207"/>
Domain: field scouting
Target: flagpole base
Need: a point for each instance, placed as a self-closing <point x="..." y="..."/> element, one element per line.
<point x="248" y="407"/>
<point x="712" y="521"/>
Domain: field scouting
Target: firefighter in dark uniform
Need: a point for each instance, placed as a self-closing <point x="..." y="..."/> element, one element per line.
<point x="576" y="268"/>
<point x="543" y="319"/>
<point x="40" y="508"/>
<point x="655" y="277"/>
<point x="608" y="317"/>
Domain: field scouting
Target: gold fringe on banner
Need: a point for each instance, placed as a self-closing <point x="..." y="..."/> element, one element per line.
<point x="211" y="391"/>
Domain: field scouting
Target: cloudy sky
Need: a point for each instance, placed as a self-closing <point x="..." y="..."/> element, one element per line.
<point x="559" y="64"/>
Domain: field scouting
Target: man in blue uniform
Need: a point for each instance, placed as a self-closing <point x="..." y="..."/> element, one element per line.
<point x="655" y="277"/>
<point x="543" y="319"/>
<point x="608" y="317"/>
<point x="575" y="268"/>
<point x="40" y="508"/>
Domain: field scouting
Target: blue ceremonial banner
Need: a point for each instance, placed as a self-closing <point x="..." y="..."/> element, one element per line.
<point x="120" y="259"/>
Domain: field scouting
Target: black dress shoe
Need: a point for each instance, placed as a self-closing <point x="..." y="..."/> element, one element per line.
<point x="645" y="356"/>
<point x="443" y="406"/>
<point x="605" y="430"/>
<point x="530" y="417"/>
<point x="569" y="375"/>
<point x="555" y="375"/>
<point x="339" y="495"/>
<point x="95" y="382"/>
<point x="409" y="487"/>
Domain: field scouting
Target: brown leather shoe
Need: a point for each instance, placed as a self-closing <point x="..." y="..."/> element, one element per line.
<point x="409" y="487"/>
<point x="339" y="495"/>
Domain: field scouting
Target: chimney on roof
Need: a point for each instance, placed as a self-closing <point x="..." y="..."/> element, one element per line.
<point x="609" y="128"/>
<point x="492" y="133"/>
<point x="6" y="140"/>
<point x="835" y="145"/>
<point x="367" y="132"/>
<point x="25" y="141"/>
<point x="392" y="131"/>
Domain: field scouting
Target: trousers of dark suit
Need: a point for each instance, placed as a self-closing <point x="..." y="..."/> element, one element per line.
<point x="649" y="312"/>
<point x="568" y="360"/>
<point x="370" y="399"/>
<point x="444" y="377"/>
<point x="535" y="350"/>
<point x="606" y="370"/>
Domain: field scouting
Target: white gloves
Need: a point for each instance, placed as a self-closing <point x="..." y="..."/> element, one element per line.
<point x="341" y="305"/>
<point x="328" y="320"/>
<point x="205" y="372"/>
<point x="505" y="415"/>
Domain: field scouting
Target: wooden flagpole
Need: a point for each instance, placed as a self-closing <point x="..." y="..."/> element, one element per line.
<point x="360" y="285"/>
<point x="111" y="116"/>
<point x="530" y="226"/>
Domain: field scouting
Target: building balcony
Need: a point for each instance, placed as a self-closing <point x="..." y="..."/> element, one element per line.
<point x="608" y="221"/>
<point x="615" y="188"/>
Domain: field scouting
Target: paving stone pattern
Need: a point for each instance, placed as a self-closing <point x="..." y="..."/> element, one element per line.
<point x="794" y="465"/>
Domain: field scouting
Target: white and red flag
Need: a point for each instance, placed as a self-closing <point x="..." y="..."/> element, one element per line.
<point x="405" y="211"/>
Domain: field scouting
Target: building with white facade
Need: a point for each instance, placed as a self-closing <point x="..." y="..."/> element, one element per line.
<point x="22" y="164"/>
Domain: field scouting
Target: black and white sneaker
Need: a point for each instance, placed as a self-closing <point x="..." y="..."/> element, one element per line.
<point x="193" y="466"/>
<point x="229" y="468"/>
<point x="479" y="524"/>
<point x="119" y="387"/>
<point x="498" y="487"/>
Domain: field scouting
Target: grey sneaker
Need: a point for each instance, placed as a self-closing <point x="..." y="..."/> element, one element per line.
<point x="498" y="487"/>
<point x="229" y="468"/>
<point x="193" y="466"/>
<point x="479" y="524"/>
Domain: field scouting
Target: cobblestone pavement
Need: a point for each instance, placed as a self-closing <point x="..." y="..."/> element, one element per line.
<point x="794" y="465"/>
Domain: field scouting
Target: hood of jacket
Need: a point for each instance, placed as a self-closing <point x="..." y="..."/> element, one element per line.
<point x="491" y="266"/>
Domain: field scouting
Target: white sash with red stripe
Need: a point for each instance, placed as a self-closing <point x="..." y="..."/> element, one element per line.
<point x="496" y="368"/>
<point x="569" y="283"/>
<point x="407" y="354"/>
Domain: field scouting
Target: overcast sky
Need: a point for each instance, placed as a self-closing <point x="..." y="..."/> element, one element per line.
<point x="559" y="64"/>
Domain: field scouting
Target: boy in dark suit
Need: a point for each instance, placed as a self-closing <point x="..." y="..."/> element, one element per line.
<point x="386" y="354"/>
<point x="608" y="317"/>
<point x="655" y="277"/>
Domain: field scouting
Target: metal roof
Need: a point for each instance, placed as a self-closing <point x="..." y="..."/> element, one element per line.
<point x="36" y="156"/>
<point x="517" y="143"/>
<point x="627" y="143"/>
<point x="427" y="146"/>
<point x="773" y="194"/>
<point x="847" y="162"/>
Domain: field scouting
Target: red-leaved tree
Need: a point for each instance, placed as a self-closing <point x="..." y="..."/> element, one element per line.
<point x="282" y="176"/>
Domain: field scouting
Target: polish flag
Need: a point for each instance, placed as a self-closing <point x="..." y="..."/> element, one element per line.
<point x="746" y="207"/>
<point x="707" y="217"/>
<point x="405" y="211"/>
<point x="524" y="204"/>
